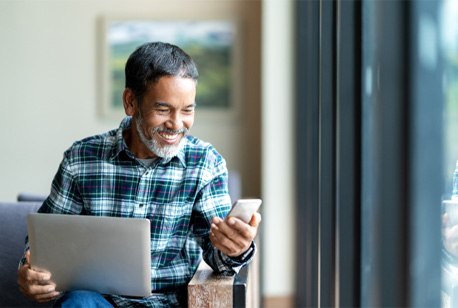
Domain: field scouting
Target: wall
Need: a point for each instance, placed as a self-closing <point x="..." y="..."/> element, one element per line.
<point x="49" y="79"/>
<point x="278" y="136"/>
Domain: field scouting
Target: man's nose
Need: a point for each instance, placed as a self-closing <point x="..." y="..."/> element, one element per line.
<point x="175" y="121"/>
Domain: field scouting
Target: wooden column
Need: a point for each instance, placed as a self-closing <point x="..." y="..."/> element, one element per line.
<point x="209" y="290"/>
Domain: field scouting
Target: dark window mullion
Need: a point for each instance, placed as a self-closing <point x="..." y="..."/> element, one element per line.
<point x="327" y="153"/>
<point x="348" y="140"/>
<point x="307" y="223"/>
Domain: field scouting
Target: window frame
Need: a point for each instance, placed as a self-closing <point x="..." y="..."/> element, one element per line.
<point x="328" y="147"/>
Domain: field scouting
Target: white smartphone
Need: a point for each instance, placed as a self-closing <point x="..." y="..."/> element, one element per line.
<point x="244" y="209"/>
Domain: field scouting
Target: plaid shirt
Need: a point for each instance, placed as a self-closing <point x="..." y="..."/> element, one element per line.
<point x="180" y="196"/>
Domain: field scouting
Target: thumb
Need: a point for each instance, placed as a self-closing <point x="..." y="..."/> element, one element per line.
<point x="255" y="220"/>
<point x="27" y="257"/>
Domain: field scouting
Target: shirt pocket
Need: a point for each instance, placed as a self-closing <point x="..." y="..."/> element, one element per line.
<point x="169" y="230"/>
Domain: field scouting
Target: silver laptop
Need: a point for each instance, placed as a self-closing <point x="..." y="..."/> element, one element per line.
<point x="106" y="254"/>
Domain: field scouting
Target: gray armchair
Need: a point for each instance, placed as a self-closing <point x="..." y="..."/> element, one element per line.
<point x="206" y="289"/>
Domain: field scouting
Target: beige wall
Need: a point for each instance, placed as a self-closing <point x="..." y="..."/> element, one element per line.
<point x="278" y="134"/>
<point x="50" y="75"/>
<point x="49" y="98"/>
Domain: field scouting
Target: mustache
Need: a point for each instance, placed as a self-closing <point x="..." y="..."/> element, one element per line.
<point x="182" y="130"/>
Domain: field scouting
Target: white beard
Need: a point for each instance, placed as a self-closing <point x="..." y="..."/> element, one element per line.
<point x="164" y="151"/>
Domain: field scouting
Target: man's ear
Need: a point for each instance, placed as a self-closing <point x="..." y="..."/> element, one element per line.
<point x="129" y="101"/>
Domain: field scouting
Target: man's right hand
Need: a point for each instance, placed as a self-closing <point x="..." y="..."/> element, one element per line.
<point x="36" y="285"/>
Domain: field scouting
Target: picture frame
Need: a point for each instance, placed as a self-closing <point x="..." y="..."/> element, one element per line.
<point x="215" y="46"/>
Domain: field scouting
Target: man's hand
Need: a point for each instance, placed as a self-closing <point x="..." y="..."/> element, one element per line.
<point x="36" y="285"/>
<point x="233" y="236"/>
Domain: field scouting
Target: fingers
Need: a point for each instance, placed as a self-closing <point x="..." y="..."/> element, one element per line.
<point x="28" y="274"/>
<point x="226" y="245"/>
<point x="39" y="293"/>
<point x="47" y="297"/>
<point x="234" y="230"/>
<point x="235" y="227"/>
<point x="36" y="285"/>
<point x="233" y="236"/>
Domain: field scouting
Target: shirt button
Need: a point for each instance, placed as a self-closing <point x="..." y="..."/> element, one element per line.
<point x="141" y="205"/>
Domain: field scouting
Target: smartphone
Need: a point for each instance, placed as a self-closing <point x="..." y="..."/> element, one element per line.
<point x="244" y="209"/>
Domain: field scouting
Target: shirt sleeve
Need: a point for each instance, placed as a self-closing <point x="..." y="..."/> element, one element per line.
<point x="65" y="197"/>
<point x="214" y="201"/>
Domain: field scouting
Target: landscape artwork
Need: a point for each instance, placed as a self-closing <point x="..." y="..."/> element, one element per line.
<point x="209" y="43"/>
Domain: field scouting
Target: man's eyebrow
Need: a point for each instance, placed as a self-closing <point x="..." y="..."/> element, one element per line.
<point x="161" y="104"/>
<point x="164" y="104"/>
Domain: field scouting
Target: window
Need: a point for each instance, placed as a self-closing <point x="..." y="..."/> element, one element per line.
<point x="373" y="152"/>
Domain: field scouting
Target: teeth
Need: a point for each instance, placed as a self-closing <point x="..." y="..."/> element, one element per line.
<point x="168" y="136"/>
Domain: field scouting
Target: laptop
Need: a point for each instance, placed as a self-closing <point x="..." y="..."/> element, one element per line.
<point x="110" y="255"/>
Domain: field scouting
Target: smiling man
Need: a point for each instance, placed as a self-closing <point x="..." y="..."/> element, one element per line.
<point x="150" y="167"/>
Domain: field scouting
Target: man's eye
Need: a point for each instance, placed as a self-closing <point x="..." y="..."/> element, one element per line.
<point x="162" y="110"/>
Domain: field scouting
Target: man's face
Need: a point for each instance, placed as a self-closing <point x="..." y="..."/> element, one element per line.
<point x="165" y="115"/>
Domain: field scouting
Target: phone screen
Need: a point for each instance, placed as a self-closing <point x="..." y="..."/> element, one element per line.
<point x="245" y="208"/>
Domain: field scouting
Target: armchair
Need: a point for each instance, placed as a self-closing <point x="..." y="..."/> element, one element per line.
<point x="206" y="288"/>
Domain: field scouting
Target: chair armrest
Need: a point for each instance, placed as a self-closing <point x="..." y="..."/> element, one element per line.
<point x="208" y="289"/>
<point x="30" y="197"/>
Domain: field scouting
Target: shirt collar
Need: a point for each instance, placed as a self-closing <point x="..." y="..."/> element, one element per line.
<point x="120" y="145"/>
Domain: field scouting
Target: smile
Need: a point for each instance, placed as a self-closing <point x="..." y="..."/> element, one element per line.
<point x="170" y="138"/>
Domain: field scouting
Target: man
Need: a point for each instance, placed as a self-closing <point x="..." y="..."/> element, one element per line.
<point x="151" y="168"/>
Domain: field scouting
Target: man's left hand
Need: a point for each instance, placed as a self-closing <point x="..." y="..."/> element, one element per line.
<point x="233" y="236"/>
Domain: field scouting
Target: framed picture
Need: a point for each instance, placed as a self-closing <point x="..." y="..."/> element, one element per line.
<point x="213" y="44"/>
